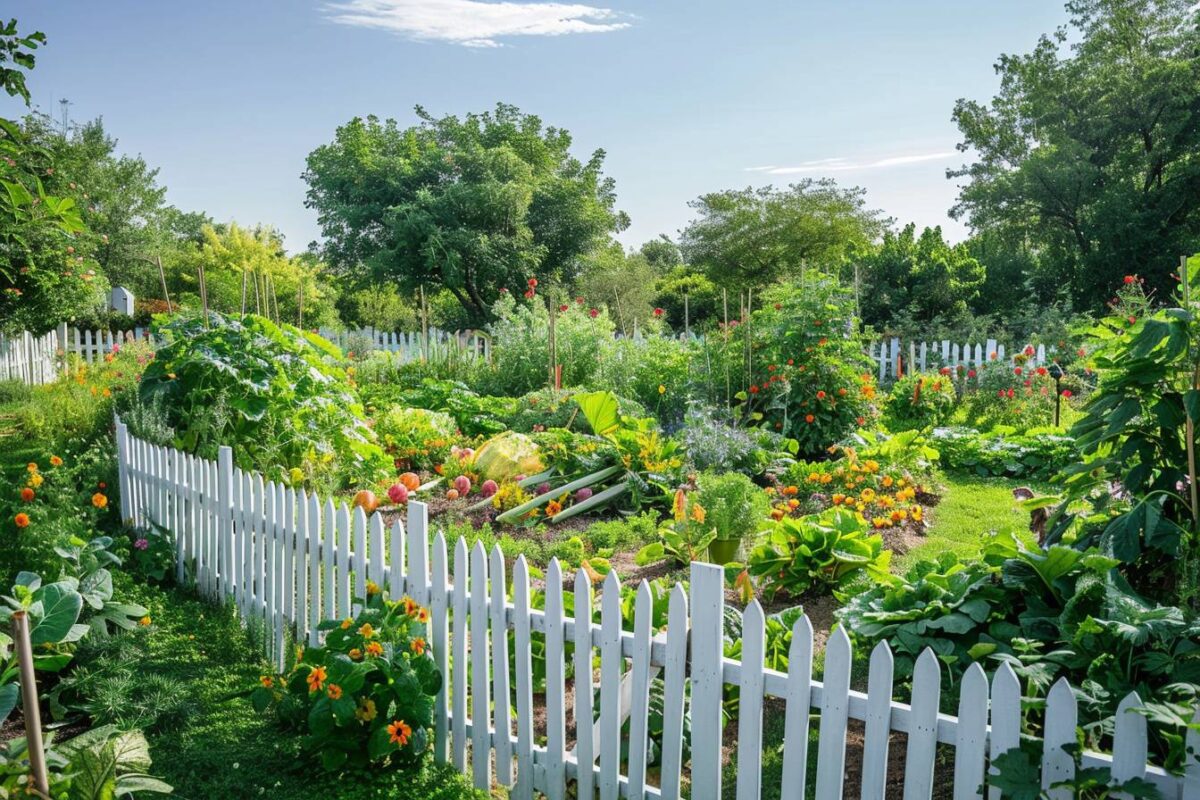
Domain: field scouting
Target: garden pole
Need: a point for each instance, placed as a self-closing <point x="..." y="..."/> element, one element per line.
<point x="162" y="276"/>
<point x="243" y="290"/>
<point x="687" y="328"/>
<point x="1190" y="424"/>
<point x="725" y="304"/>
<point x="29" y="700"/>
<point x="257" y="296"/>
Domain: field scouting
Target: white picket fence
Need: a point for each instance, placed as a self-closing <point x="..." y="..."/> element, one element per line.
<point x="893" y="359"/>
<point x="415" y="345"/>
<point x="288" y="560"/>
<point x="28" y="358"/>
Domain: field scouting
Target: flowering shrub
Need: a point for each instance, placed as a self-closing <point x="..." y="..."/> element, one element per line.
<point x="1010" y="394"/>
<point x="878" y="495"/>
<point x="415" y="437"/>
<point x="920" y="401"/>
<point x="366" y="695"/>
<point x="810" y="379"/>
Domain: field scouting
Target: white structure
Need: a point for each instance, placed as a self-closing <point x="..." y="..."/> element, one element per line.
<point x="288" y="560"/>
<point x="121" y="300"/>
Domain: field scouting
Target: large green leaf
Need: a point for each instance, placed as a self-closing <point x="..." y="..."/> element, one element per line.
<point x="601" y="411"/>
<point x="61" y="605"/>
<point x="9" y="693"/>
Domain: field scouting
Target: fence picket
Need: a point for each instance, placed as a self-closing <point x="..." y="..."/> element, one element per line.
<point x="835" y="707"/>
<point x="612" y="666"/>
<point x="1129" y="741"/>
<point x="707" y="586"/>
<point x="396" y="580"/>
<point x="922" y="729"/>
<point x="639" y="709"/>
<point x="500" y="678"/>
<point x="358" y="556"/>
<point x="481" y="750"/>
<point x="971" y="737"/>
<point x="674" y="672"/>
<point x="342" y="570"/>
<point x="556" y="721"/>
<point x="377" y="556"/>
<point x="460" y="635"/>
<point x="796" y="723"/>
<point x="1058" y="763"/>
<point x="524" y="669"/>
<point x="312" y="542"/>
<point x="585" y="753"/>
<point x="878" y="723"/>
<point x="439" y="610"/>
<point x="1006" y="717"/>
<point x="750" y="700"/>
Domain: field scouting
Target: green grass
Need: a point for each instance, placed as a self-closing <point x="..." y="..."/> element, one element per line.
<point x="971" y="507"/>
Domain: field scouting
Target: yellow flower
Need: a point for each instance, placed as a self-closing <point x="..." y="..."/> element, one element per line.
<point x="868" y="495"/>
<point x="106" y="393"/>
<point x="296" y="474"/>
<point x="366" y="631"/>
<point x="355" y="654"/>
<point x="662" y="389"/>
<point x="410" y="606"/>
<point x="31" y="466"/>
<point x="346" y="623"/>
<point x="366" y="712"/>
<point x="144" y="621"/>
<point x="679" y="507"/>
<point x="887" y="481"/>
<point x="374" y="649"/>
<point x="99" y="500"/>
<point x="698" y="513"/>
<point x="35" y="480"/>
<point x="372" y="588"/>
<point x="316" y="679"/>
<point x="553" y="507"/>
<point x="838" y="498"/>
<point x="916" y="512"/>
<point x="871" y="465"/>
<point x="813" y="477"/>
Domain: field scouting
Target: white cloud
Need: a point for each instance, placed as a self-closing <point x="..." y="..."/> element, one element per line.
<point x="846" y="165"/>
<point x="474" y="23"/>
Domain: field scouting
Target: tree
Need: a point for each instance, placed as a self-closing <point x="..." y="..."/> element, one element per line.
<point x="662" y="253"/>
<point x="1088" y="154"/>
<point x="703" y="305"/>
<point x="624" y="284"/>
<point x="756" y="236"/>
<point x="919" y="279"/>
<point x="17" y="50"/>
<point x="476" y="205"/>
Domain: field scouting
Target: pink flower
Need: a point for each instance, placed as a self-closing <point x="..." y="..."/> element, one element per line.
<point x="594" y="313"/>
<point x="142" y="544"/>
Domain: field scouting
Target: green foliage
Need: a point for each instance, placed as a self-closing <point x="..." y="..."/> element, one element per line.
<point x="756" y="236"/>
<point x="713" y="444"/>
<point x="703" y="299"/>
<point x="272" y="393"/>
<point x="736" y="508"/>
<point x="474" y="414"/>
<point x="421" y="439"/>
<point x="1084" y="155"/>
<point x="366" y="696"/>
<point x="53" y="611"/>
<point x="920" y="401"/>
<point x="380" y="307"/>
<point x="17" y="49"/>
<point x="475" y="204"/>
<point x="1013" y="395"/>
<point x="1036" y="454"/>
<point x="819" y="553"/>
<point x="99" y="764"/>
<point x="921" y="277"/>
<point x="684" y="538"/>
<point x="622" y="284"/>
<point x="656" y="371"/>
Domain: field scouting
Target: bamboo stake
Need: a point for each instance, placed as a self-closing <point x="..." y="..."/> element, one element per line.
<point x="29" y="701"/>
<point x="274" y="299"/>
<point x="1191" y="424"/>
<point x="551" y="345"/>
<point x="725" y="304"/>
<point x="620" y="313"/>
<point x="162" y="276"/>
<point x="257" y="296"/>
<point x="424" y="324"/>
<point x="300" y="305"/>
<point x="687" y="327"/>
<point x="243" y="291"/>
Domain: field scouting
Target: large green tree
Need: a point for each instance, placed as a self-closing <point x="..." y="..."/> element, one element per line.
<point x="1090" y="152"/>
<point x="918" y="279"/>
<point x="750" y="237"/>
<point x="474" y="204"/>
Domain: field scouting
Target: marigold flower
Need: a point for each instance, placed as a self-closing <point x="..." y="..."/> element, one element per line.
<point x="418" y="646"/>
<point x="346" y="623"/>
<point x="355" y="654"/>
<point x="399" y="732"/>
<point x="374" y="649"/>
<point x="867" y="495"/>
<point x="145" y="621"/>
<point x="21" y="520"/>
<point x="316" y="679"/>
<point x="27" y="494"/>
<point x="366" y="630"/>
<point x="821" y="394"/>
<point x="55" y="461"/>
<point x="372" y="588"/>
<point x="99" y="500"/>
<point x="31" y="466"/>
<point x="366" y="712"/>
<point x="887" y="481"/>
<point x="334" y="691"/>
<point x="266" y="680"/>
<point x="792" y="490"/>
<point x="36" y="479"/>
<point x="809" y="418"/>
<point x="553" y="507"/>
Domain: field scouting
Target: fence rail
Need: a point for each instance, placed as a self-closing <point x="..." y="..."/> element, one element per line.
<point x="436" y="343"/>
<point x="894" y="359"/>
<point x="288" y="559"/>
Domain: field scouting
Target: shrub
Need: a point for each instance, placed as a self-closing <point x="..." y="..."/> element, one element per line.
<point x="1037" y="454"/>
<point x="713" y="444"/>
<point x="818" y="553"/>
<point x="654" y="370"/>
<point x="920" y="401"/>
<point x="271" y="392"/>
<point x="14" y="391"/>
<point x="418" y="437"/>
<point x="736" y="508"/>
<point x="366" y="696"/>
<point x="475" y="415"/>
<point x="520" y="341"/>
<point x="1013" y="395"/>
<point x="629" y="531"/>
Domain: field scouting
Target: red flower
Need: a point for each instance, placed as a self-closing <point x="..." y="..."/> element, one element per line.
<point x="790" y="362"/>
<point x="944" y="370"/>
<point x="821" y="395"/>
<point x="1130" y="279"/>
<point x="970" y="373"/>
<point x="594" y="313"/>
<point x="770" y="368"/>
<point x="658" y="312"/>
<point x="563" y="307"/>
<point x="1132" y="320"/>
<point x="1066" y="392"/>
<point x="532" y="283"/>
<point x="809" y="418"/>
<point x="1011" y="394"/>
<point x="529" y="293"/>
<point x="753" y="390"/>
<point x="861" y="421"/>
<point x="1017" y="371"/>
<point x="1081" y="352"/>
<point x="1041" y="370"/>
<point x="1029" y="350"/>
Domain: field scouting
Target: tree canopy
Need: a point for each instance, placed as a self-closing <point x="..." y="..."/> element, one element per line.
<point x="1090" y="152"/>
<point x="756" y="236"/>
<point x="475" y="204"/>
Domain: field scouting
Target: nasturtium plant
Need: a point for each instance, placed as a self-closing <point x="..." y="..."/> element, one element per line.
<point x="365" y="697"/>
<point x="273" y="393"/>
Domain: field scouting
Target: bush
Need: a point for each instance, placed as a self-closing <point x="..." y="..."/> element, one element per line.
<point x="1038" y="454"/>
<point x="520" y="341"/>
<point x="999" y="393"/>
<point x="655" y="371"/>
<point x="549" y="408"/>
<point x="713" y="444"/>
<point x="818" y="554"/>
<point x="14" y="391"/>
<point x="920" y="401"/>
<point x="364" y="698"/>
<point x="420" y="438"/>
<point x="734" y="506"/>
<point x="271" y="392"/>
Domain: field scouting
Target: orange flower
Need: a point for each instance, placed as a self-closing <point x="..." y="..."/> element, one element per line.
<point x="27" y="494"/>
<point x="22" y="520"/>
<point x="31" y="466"/>
<point x="355" y="654"/>
<point x="679" y="507"/>
<point x="144" y="621"/>
<point x="267" y="681"/>
<point x="422" y="615"/>
<point x="553" y="507"/>
<point x="410" y="606"/>
<point x="398" y="732"/>
<point x="99" y="500"/>
<point x="316" y="679"/>
<point x="375" y="649"/>
<point x="698" y="513"/>
<point x="55" y="461"/>
<point x="334" y="691"/>
<point x="366" y="631"/>
<point x="809" y="418"/>
<point x="418" y="646"/>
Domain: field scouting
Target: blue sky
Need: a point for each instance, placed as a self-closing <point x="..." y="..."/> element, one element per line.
<point x="227" y="97"/>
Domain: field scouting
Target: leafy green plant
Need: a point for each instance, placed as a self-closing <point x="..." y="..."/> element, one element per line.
<point x="817" y="553"/>
<point x="271" y="392"/>
<point x="365" y="696"/>
<point x="920" y="401"/>
<point x="1036" y="454"/>
<point x="105" y="762"/>
<point x="735" y="508"/>
<point x="685" y="538"/>
<point x="417" y="438"/>
<point x="53" y="610"/>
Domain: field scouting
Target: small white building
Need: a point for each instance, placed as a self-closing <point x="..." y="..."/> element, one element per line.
<point x="121" y="300"/>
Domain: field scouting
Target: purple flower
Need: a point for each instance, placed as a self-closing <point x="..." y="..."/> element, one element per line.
<point x="142" y="544"/>
<point x="543" y="488"/>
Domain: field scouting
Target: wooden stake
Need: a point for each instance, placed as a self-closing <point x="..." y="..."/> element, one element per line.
<point x="687" y="328"/>
<point x="243" y="291"/>
<point x="162" y="276"/>
<point x="29" y="703"/>
<point x="300" y="305"/>
<point x="551" y="342"/>
<point x="257" y="296"/>
<point x="725" y="305"/>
